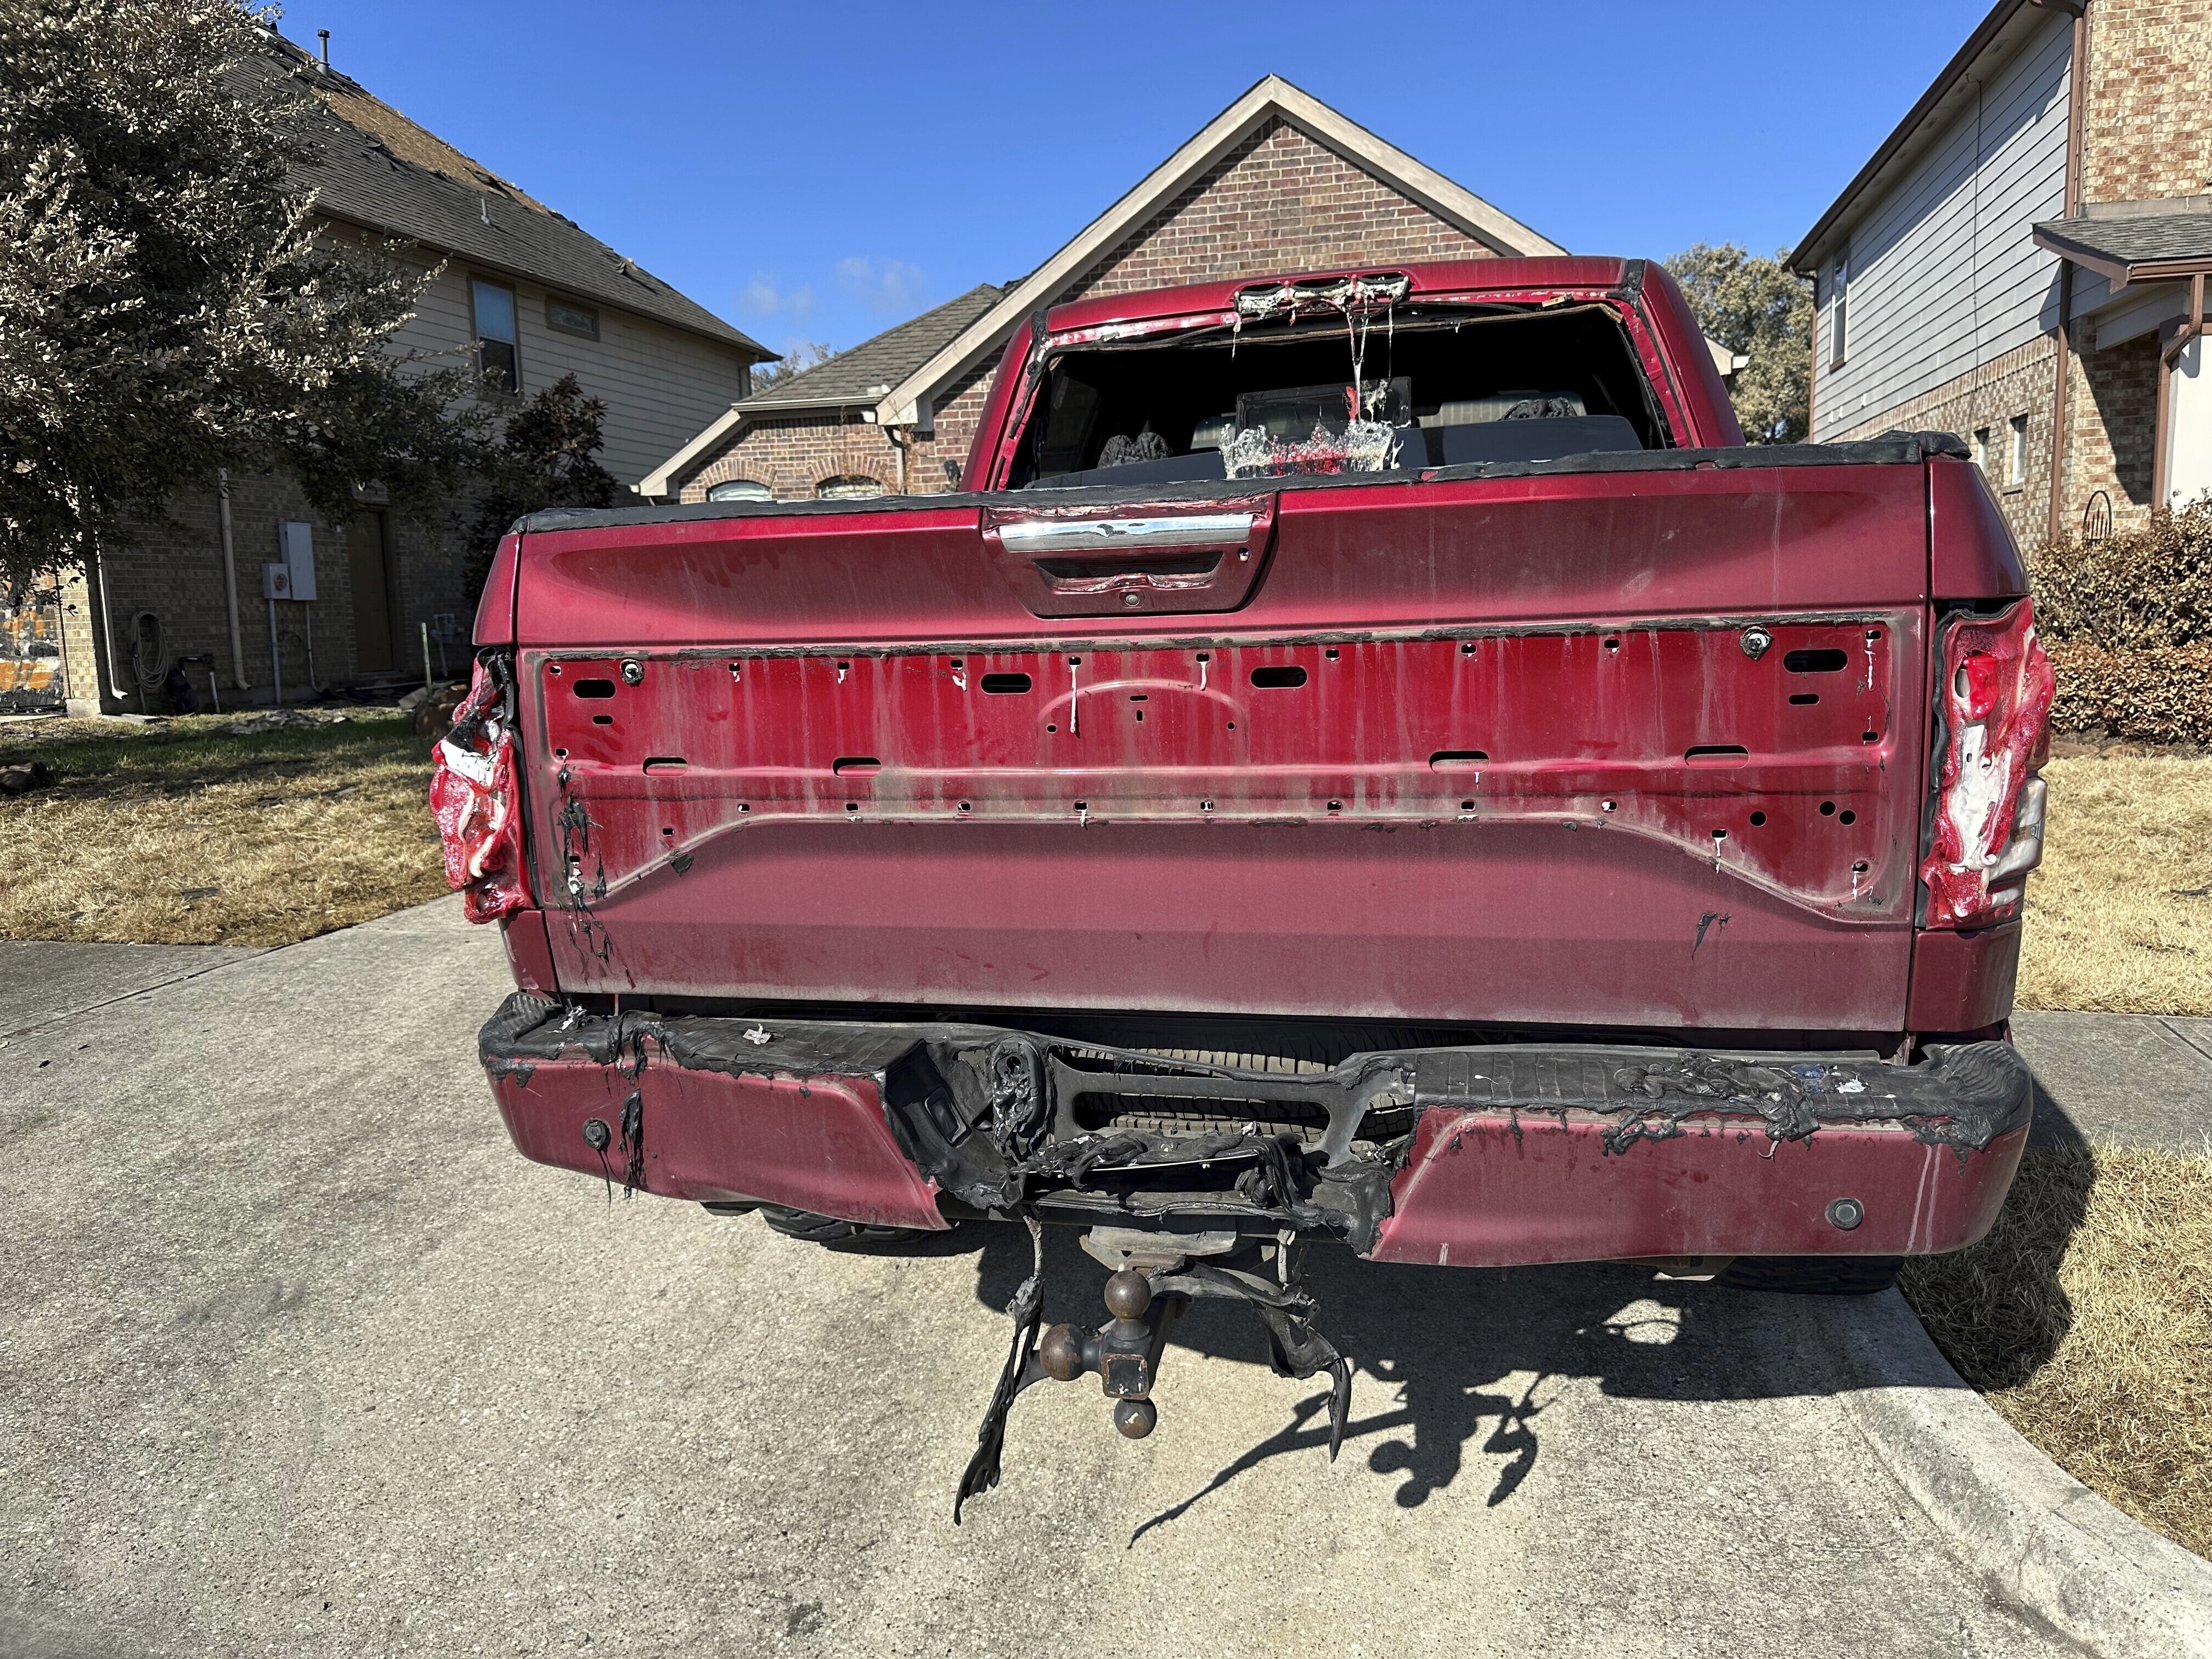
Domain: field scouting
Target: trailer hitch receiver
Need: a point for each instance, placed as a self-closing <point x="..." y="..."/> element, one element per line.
<point x="1155" y="1277"/>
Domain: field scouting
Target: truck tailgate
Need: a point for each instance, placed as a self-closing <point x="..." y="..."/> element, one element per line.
<point x="1634" y="748"/>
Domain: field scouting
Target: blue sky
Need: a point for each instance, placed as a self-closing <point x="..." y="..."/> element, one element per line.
<point x="820" y="172"/>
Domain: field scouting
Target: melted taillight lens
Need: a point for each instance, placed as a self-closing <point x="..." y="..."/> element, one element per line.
<point x="1994" y="719"/>
<point x="1974" y="685"/>
<point x="475" y="798"/>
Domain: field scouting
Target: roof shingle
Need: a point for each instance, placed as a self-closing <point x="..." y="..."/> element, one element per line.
<point x="863" y="374"/>
<point x="379" y="169"/>
<point x="2132" y="238"/>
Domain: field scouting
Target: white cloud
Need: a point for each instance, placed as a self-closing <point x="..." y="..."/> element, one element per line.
<point x="889" y="286"/>
<point x="762" y="297"/>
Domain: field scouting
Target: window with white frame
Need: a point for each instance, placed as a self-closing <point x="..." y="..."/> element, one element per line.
<point x="1982" y="449"/>
<point x="2016" y="454"/>
<point x="740" y="489"/>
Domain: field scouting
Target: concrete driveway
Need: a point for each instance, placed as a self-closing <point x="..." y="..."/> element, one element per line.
<point x="302" y="1359"/>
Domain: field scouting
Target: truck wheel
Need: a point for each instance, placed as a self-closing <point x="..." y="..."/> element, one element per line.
<point x="1813" y="1275"/>
<point x="827" y="1230"/>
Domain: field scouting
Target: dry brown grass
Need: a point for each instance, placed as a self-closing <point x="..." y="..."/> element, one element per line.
<point x="2119" y="918"/>
<point x="176" y="834"/>
<point x="2086" y="1319"/>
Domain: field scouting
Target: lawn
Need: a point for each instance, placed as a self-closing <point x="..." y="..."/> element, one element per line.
<point x="176" y="833"/>
<point x="2120" y="917"/>
<point x="2085" y="1318"/>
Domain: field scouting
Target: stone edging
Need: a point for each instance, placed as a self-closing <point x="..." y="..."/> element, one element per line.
<point x="2049" y="1544"/>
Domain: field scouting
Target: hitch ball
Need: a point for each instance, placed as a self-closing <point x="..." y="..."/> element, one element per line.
<point x="1059" y="1355"/>
<point x="1135" y="1418"/>
<point x="1129" y="1293"/>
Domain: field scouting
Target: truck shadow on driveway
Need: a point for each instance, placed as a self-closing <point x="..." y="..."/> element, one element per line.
<point x="1471" y="1353"/>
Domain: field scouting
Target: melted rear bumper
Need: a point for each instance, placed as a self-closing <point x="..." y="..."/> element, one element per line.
<point x="1492" y="1156"/>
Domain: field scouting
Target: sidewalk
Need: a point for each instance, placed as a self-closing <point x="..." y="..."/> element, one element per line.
<point x="2119" y="1079"/>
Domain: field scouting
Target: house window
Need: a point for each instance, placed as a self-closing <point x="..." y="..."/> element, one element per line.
<point x="495" y="354"/>
<point x="2016" y="454"/>
<point x="569" y="318"/>
<point x="1982" y="449"/>
<point x="847" y="488"/>
<point x="740" y="489"/>
<point x="1838" y="296"/>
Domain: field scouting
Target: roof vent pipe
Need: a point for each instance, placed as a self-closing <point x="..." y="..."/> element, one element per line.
<point x="324" y="35"/>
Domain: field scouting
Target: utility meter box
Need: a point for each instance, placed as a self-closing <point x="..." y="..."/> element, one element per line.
<point x="296" y="541"/>
<point x="275" y="581"/>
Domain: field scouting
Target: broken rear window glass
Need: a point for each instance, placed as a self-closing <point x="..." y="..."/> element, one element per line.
<point x="1308" y="388"/>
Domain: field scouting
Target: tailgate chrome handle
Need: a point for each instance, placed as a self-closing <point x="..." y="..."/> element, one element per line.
<point x="1050" y="535"/>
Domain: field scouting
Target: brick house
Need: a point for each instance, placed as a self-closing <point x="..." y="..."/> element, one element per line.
<point x="1277" y="182"/>
<point x="522" y="291"/>
<point x="2022" y="262"/>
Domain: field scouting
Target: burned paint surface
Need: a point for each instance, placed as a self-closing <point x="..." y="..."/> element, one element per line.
<point x="1473" y="750"/>
<point x="868" y="1121"/>
<point x="476" y="797"/>
<point x="1994" y="695"/>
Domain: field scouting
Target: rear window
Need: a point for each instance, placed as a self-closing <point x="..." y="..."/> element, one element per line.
<point x="1352" y="388"/>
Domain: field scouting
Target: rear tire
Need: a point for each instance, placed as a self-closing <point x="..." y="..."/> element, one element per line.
<point x="812" y="1229"/>
<point x="1813" y="1275"/>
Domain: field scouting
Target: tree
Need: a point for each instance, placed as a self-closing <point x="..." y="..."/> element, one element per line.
<point x="1758" y="310"/>
<point x="167" y="306"/>
<point x="798" y="357"/>
<point x="546" y="457"/>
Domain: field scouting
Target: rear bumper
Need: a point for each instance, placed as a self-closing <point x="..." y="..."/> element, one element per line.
<point x="1468" y="1156"/>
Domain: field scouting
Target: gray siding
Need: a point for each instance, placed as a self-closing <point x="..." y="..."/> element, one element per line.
<point x="661" y="385"/>
<point x="1944" y="272"/>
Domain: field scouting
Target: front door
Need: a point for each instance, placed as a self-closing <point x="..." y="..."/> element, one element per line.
<point x="368" y="554"/>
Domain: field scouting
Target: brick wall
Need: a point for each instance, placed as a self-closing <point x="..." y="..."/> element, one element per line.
<point x="1278" y="202"/>
<point x="793" y="454"/>
<point x="175" y="571"/>
<point x="2112" y="409"/>
<point x="2148" y="129"/>
<point x="2021" y="382"/>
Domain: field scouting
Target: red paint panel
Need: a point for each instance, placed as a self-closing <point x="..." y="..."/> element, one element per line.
<point x="1971" y="550"/>
<point x="1963" y="982"/>
<point x="528" y="954"/>
<point x="1673" y="733"/>
<point x="1530" y="921"/>
<point x="818" y="1144"/>
<point x="1481" y="1190"/>
<point x="1753" y="545"/>
<point x="1490" y="278"/>
<point x="494" y="623"/>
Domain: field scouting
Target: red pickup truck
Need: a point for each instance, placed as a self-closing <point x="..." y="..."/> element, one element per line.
<point x="1370" y="759"/>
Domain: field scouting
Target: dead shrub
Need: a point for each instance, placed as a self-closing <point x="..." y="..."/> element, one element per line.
<point x="2145" y="589"/>
<point x="2154" y="696"/>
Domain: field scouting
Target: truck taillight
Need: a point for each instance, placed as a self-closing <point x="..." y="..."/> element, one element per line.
<point x="1975" y="684"/>
<point x="1993" y="721"/>
<point x="475" y="798"/>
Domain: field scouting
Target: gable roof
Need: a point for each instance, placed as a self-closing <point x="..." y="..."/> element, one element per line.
<point x="851" y="380"/>
<point x="380" y="170"/>
<point x="1272" y="99"/>
<point x="860" y="375"/>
